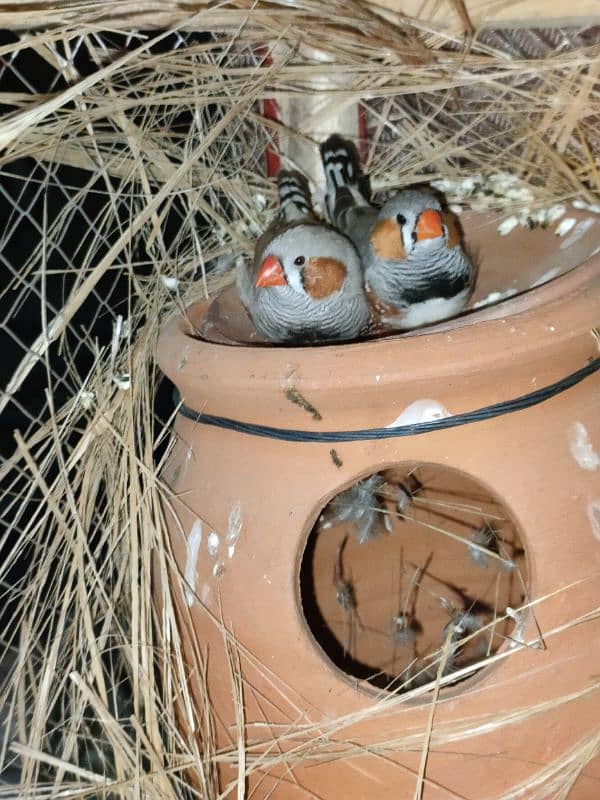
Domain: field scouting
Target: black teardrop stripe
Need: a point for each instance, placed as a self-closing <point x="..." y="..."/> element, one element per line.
<point x="466" y="418"/>
<point x="441" y="286"/>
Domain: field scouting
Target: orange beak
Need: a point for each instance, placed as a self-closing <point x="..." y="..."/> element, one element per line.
<point x="429" y="225"/>
<point x="270" y="273"/>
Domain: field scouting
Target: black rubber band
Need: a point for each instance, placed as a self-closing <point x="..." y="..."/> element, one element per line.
<point x="488" y="412"/>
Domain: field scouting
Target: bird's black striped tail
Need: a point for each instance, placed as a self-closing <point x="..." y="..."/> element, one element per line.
<point x="346" y="185"/>
<point x="295" y="200"/>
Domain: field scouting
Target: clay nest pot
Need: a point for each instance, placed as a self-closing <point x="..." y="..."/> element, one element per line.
<point x="326" y="625"/>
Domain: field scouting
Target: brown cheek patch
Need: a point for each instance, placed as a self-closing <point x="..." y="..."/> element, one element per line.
<point x="386" y="240"/>
<point x="454" y="237"/>
<point x="323" y="276"/>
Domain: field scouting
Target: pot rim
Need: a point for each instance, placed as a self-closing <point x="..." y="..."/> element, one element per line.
<point x="554" y="313"/>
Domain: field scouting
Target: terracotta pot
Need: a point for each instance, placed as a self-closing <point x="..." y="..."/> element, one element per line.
<point x="246" y="506"/>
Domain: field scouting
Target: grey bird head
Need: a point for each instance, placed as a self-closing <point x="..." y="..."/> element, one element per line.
<point x="310" y="260"/>
<point x="409" y="222"/>
<point x="305" y="286"/>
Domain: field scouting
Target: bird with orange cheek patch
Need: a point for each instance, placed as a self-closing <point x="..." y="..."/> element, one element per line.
<point x="305" y="285"/>
<point x="415" y="269"/>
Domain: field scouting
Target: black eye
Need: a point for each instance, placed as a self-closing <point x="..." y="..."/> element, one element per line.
<point x="299" y="261"/>
<point x="400" y="219"/>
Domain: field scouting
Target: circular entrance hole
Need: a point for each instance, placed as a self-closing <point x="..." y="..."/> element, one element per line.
<point x="412" y="572"/>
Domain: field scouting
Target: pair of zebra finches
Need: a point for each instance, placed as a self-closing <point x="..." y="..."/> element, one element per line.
<point x="396" y="267"/>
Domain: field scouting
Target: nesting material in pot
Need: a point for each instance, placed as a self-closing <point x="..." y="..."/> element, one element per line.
<point x="431" y="550"/>
<point x="250" y="533"/>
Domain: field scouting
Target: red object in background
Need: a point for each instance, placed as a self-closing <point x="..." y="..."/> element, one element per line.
<point x="270" y="110"/>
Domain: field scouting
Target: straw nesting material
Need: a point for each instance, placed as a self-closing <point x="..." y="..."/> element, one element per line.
<point x="132" y="164"/>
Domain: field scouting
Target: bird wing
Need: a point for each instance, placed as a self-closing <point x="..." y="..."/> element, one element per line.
<point x="358" y="224"/>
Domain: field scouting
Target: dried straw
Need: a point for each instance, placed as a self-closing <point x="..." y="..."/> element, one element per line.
<point x="169" y="133"/>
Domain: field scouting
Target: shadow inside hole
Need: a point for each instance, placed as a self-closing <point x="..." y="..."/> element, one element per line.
<point x="411" y="568"/>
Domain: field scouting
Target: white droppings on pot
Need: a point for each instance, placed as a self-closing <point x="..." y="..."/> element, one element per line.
<point x="425" y="410"/>
<point x="555" y="212"/>
<point x="212" y="543"/>
<point x="234" y="528"/>
<point x="579" y="230"/>
<point x="494" y="297"/>
<point x="191" y="561"/>
<point x="581" y="204"/>
<point x="593" y="512"/>
<point x="205" y="592"/>
<point x="267" y="579"/>
<point x="507" y="225"/>
<point x="581" y="447"/>
<point x="377" y="378"/>
<point x="565" y="226"/>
